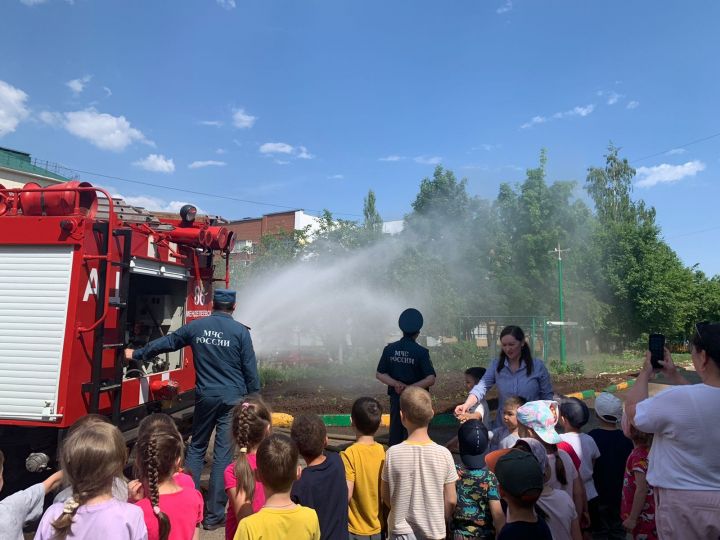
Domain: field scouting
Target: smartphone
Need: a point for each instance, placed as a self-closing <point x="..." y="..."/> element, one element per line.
<point x="656" y="344"/>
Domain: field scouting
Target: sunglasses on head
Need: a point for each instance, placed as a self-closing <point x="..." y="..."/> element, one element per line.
<point x="701" y="326"/>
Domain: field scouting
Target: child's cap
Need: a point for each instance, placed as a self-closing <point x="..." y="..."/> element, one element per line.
<point x="575" y="411"/>
<point x="608" y="407"/>
<point x="541" y="417"/>
<point x="516" y="471"/>
<point x="473" y="442"/>
<point x="536" y="448"/>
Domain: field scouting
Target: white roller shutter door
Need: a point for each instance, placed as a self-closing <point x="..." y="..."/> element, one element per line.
<point x="34" y="291"/>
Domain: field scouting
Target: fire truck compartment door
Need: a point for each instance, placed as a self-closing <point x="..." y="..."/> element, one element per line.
<point x="160" y="269"/>
<point x="34" y="292"/>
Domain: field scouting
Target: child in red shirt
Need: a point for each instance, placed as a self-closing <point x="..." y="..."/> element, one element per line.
<point x="637" y="509"/>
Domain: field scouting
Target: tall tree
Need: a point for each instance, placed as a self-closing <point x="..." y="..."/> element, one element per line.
<point x="373" y="222"/>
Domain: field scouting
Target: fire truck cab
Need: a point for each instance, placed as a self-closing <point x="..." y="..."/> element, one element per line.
<point x="82" y="277"/>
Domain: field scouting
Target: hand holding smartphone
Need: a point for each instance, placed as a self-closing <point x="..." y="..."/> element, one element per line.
<point x="656" y="345"/>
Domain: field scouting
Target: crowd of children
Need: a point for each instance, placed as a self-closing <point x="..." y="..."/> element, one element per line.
<point x="520" y="481"/>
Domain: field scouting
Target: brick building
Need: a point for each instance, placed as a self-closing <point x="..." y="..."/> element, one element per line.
<point x="249" y="231"/>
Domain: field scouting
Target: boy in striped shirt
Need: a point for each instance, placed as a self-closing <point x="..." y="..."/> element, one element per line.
<point x="418" y="480"/>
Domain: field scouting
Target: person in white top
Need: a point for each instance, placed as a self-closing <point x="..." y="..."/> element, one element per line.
<point x="684" y="459"/>
<point x="574" y="414"/>
<point x="558" y="507"/>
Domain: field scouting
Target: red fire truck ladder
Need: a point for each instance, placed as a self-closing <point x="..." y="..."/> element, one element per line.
<point x="97" y="384"/>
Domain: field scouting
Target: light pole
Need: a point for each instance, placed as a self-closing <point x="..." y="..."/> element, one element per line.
<point x="559" y="252"/>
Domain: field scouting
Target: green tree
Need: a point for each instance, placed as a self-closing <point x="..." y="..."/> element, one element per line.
<point x="642" y="281"/>
<point x="373" y="223"/>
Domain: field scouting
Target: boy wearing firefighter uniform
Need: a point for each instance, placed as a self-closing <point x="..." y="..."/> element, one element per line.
<point x="225" y="372"/>
<point x="404" y="363"/>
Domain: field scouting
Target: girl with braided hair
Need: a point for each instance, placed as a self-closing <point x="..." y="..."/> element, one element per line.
<point x="92" y="457"/>
<point x="171" y="511"/>
<point x="251" y="424"/>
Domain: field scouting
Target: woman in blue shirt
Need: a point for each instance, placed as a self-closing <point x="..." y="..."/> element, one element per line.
<point x="515" y="373"/>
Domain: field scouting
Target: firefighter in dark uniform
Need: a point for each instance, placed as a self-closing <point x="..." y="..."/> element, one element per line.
<point x="225" y="372"/>
<point x="404" y="363"/>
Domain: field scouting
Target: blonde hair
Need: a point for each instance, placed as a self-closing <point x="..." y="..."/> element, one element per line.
<point x="91" y="457"/>
<point x="416" y="406"/>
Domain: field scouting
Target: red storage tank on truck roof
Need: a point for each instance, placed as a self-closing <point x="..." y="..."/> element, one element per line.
<point x="82" y="276"/>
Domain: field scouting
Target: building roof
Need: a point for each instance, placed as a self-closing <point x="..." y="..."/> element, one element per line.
<point x="20" y="161"/>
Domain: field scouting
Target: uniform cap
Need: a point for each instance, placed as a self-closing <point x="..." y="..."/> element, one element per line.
<point x="224" y="296"/>
<point x="473" y="442"/>
<point x="411" y="321"/>
<point x="608" y="407"/>
<point x="516" y="471"/>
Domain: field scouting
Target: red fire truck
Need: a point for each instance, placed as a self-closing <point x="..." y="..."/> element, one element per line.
<point x="82" y="276"/>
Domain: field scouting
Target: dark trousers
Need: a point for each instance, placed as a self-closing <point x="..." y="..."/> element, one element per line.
<point x="211" y="413"/>
<point x="398" y="433"/>
<point x="605" y="520"/>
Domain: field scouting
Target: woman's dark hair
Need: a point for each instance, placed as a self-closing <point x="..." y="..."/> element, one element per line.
<point x="476" y="373"/>
<point x="707" y="338"/>
<point x="525" y="353"/>
<point x="158" y="452"/>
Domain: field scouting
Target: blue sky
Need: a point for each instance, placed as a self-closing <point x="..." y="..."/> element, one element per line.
<point x="309" y="104"/>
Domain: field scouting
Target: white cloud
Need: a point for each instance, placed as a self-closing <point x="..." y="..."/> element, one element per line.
<point x="32" y="2"/>
<point x="575" y="111"/>
<point x="154" y="203"/>
<point x="613" y="98"/>
<point x="213" y="123"/>
<point x="103" y="130"/>
<point x="220" y="151"/>
<point x="108" y="92"/>
<point x="78" y="85"/>
<point x="208" y="163"/>
<point x="505" y="8"/>
<point x="227" y="4"/>
<point x="392" y="158"/>
<point x="534" y="121"/>
<point x="51" y="118"/>
<point x="156" y="163"/>
<point x="303" y="153"/>
<point x="632" y="105"/>
<point x="335" y="177"/>
<point x="276" y="148"/>
<point x="579" y="110"/>
<point x="676" y="151"/>
<point x="428" y="160"/>
<point x="243" y="120"/>
<point x="666" y="173"/>
<point x="237" y="143"/>
<point x="282" y="162"/>
<point x="12" y="107"/>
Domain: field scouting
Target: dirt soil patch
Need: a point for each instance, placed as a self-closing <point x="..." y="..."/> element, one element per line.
<point x="335" y="393"/>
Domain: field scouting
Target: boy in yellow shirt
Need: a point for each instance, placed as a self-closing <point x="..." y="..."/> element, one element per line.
<point x="363" y="462"/>
<point x="279" y="518"/>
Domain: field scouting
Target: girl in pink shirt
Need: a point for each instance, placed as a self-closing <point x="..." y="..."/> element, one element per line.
<point x="251" y="424"/>
<point x="172" y="510"/>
